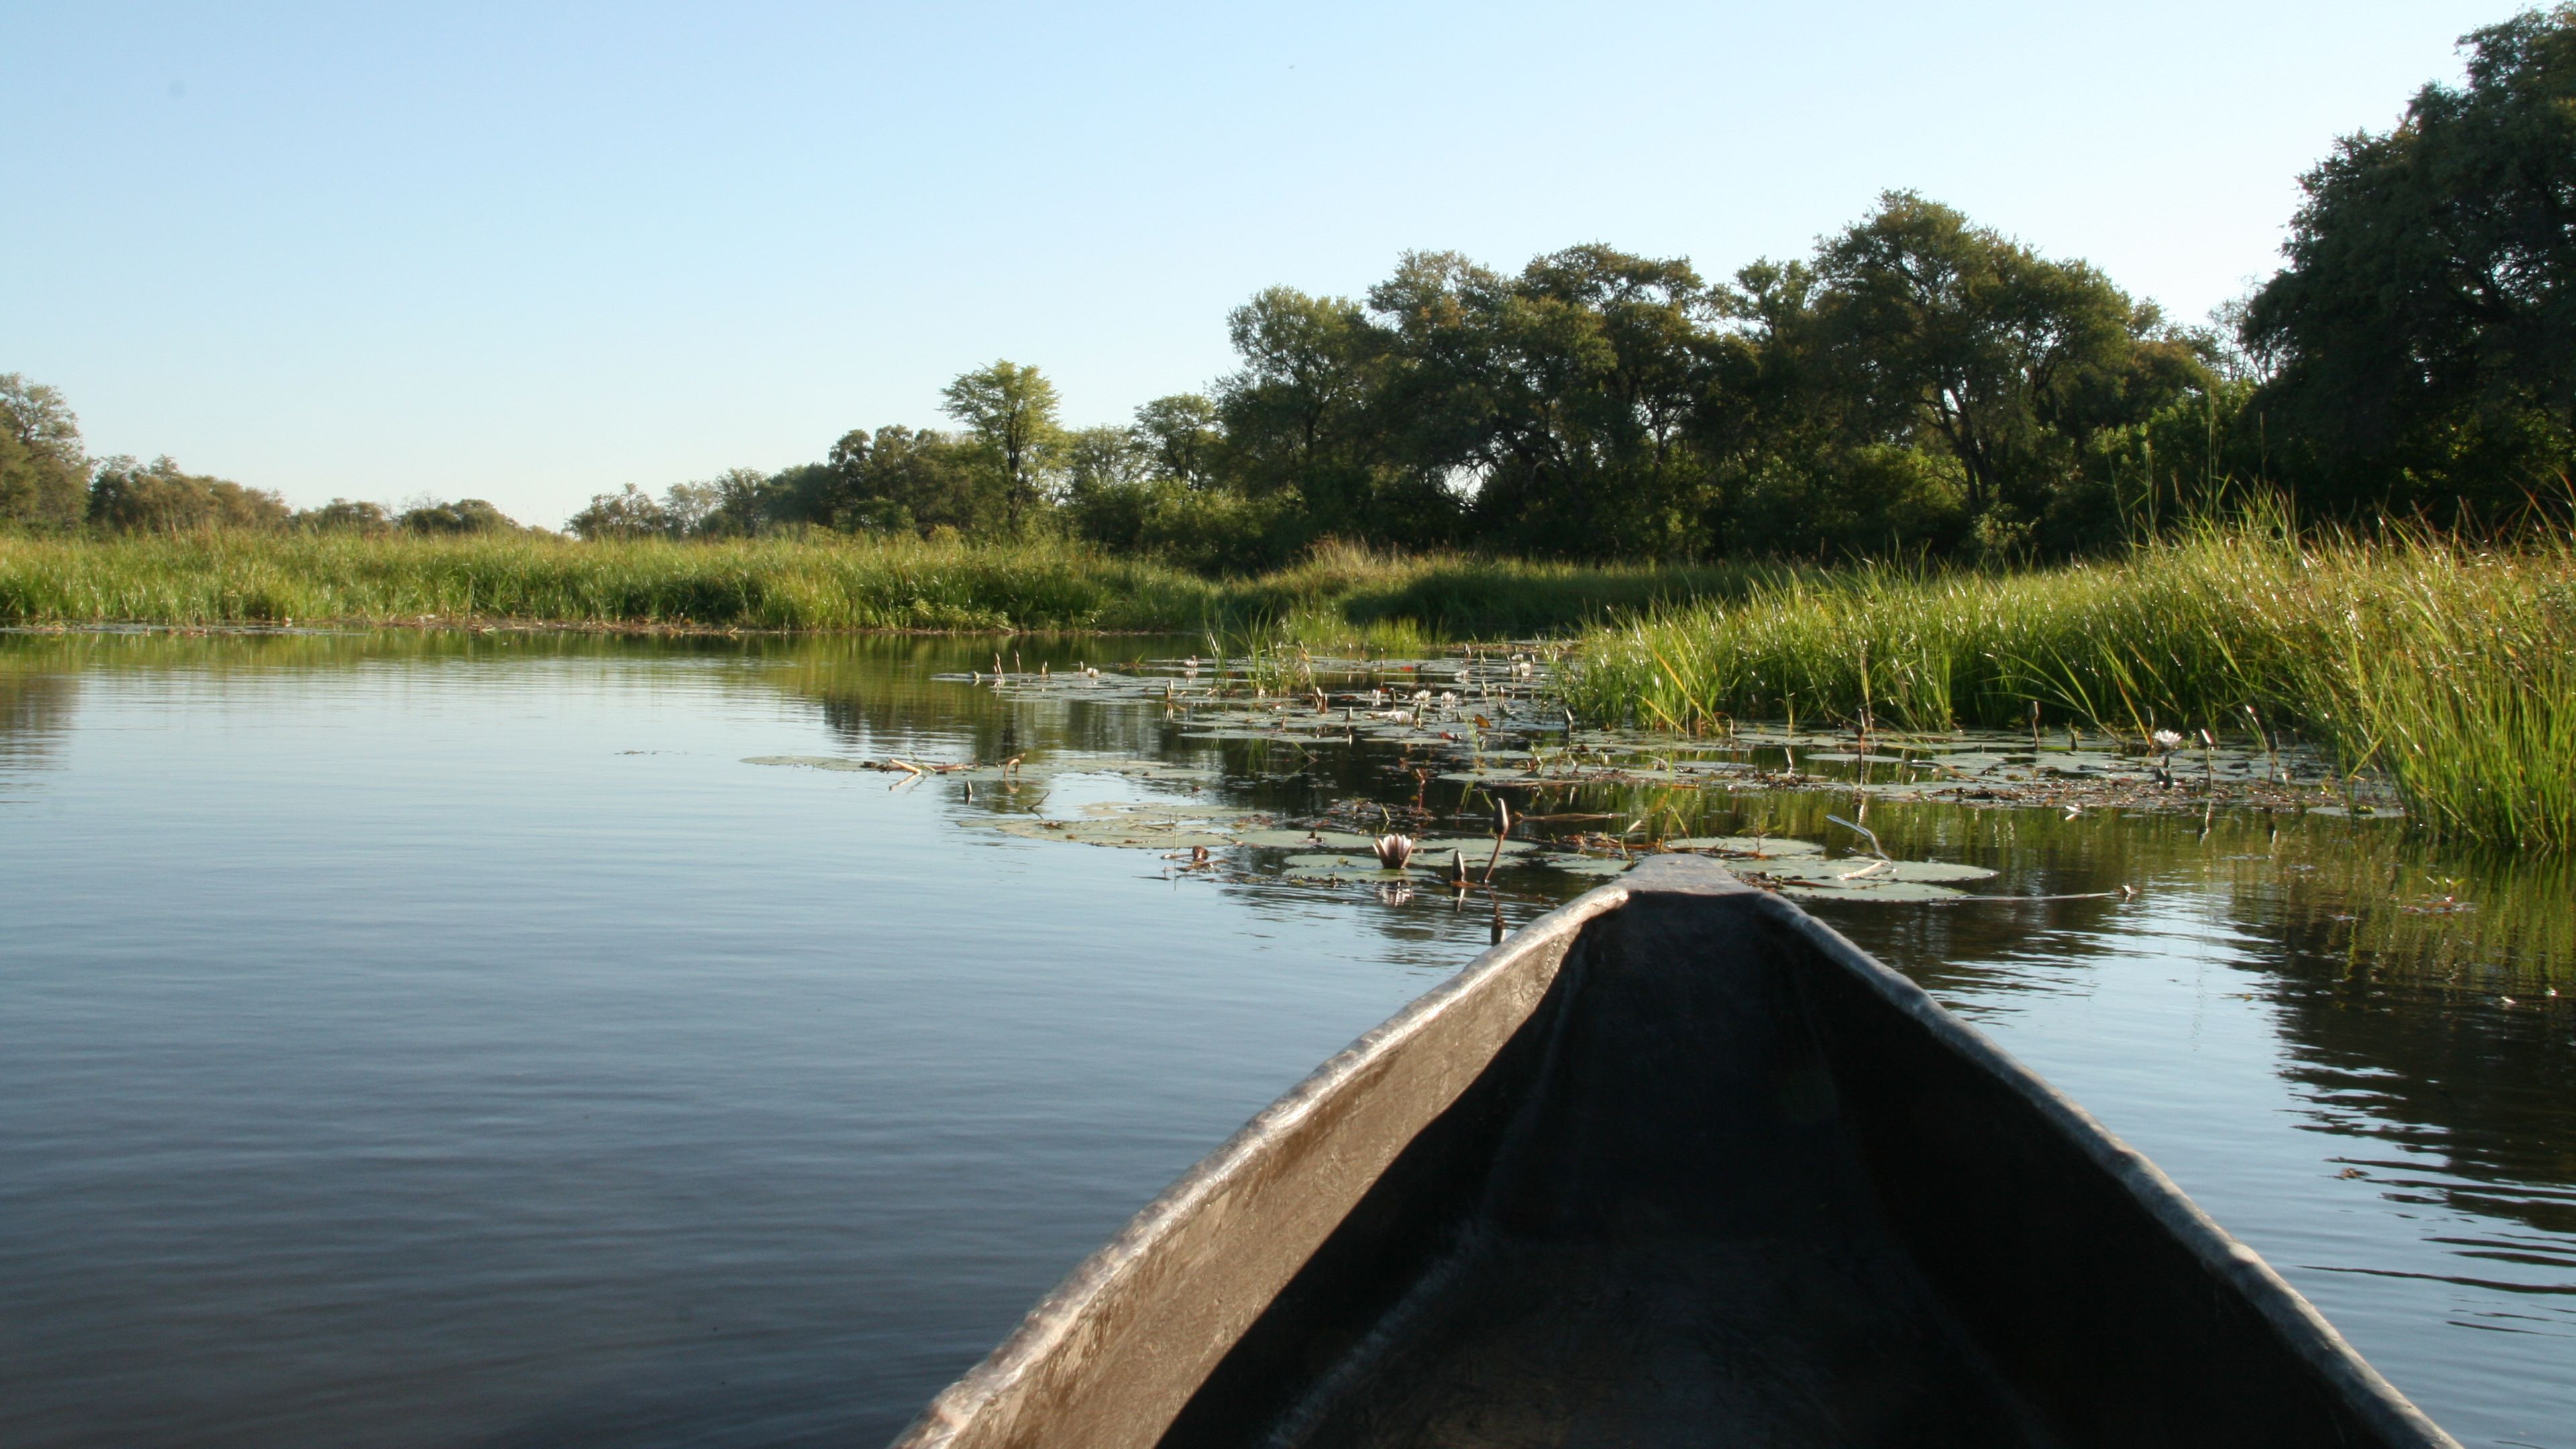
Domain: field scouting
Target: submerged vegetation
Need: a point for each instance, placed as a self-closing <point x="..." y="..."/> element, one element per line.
<point x="2449" y="668"/>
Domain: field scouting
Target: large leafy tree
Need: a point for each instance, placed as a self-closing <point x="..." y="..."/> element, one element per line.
<point x="1012" y="410"/>
<point x="1300" y="415"/>
<point x="1937" y="329"/>
<point x="922" y="479"/>
<point x="628" y="513"/>
<point x="44" y="474"/>
<point x="1181" y="435"/>
<point x="1560" y="402"/>
<point x="2422" y="338"/>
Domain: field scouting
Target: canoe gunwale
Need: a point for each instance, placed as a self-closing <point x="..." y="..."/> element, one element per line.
<point x="973" y="1404"/>
<point x="2218" y="1252"/>
<point x="1012" y="1399"/>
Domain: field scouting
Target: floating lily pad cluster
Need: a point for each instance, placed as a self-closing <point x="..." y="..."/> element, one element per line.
<point x="1489" y="723"/>
<point x="1489" y="718"/>
<point x="1166" y="825"/>
<point x="1802" y="868"/>
<point x="1174" y="826"/>
<point x="1465" y="700"/>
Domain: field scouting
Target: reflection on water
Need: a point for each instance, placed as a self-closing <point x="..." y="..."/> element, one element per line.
<point x="450" y="1039"/>
<point x="35" y="715"/>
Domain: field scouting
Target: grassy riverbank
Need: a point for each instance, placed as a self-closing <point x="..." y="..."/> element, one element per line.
<point x="2450" y="668"/>
<point x="832" y="583"/>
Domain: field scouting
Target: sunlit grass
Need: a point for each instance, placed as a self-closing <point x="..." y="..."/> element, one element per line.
<point x="1339" y="597"/>
<point x="2450" y="667"/>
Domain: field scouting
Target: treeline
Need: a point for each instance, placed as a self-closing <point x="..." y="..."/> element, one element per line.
<point x="1921" y="383"/>
<point x="49" y="483"/>
<point x="1917" y="384"/>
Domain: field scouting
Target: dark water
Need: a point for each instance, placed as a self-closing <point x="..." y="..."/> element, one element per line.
<point x="431" y="1040"/>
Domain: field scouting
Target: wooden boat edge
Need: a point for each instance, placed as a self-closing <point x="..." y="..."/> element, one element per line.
<point x="2290" y="1314"/>
<point x="971" y="1405"/>
<point x="981" y="1409"/>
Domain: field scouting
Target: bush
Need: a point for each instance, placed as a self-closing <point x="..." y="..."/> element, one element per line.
<point x="465" y="515"/>
<point x="343" y="515"/>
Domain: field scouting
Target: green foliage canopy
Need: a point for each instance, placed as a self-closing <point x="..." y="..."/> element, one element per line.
<point x="1011" y="410"/>
<point x="2422" y="339"/>
<point x="127" y="496"/>
<point x="44" y="475"/>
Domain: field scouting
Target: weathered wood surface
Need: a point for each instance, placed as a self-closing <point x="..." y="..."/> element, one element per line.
<point x="1674" y="1164"/>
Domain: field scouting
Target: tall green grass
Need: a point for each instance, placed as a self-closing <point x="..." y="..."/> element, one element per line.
<point x="2448" y="666"/>
<point x="1340" y="594"/>
<point x="212" y="578"/>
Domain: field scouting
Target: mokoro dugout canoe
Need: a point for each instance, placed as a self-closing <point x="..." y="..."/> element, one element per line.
<point x="1674" y="1165"/>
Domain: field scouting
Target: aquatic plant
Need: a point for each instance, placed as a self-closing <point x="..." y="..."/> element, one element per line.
<point x="2447" y="665"/>
<point x="1340" y="600"/>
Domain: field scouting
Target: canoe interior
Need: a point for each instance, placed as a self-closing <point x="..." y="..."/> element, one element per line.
<point x="1732" y="1183"/>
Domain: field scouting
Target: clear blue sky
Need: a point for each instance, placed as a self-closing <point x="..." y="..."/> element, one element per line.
<point x="530" y="252"/>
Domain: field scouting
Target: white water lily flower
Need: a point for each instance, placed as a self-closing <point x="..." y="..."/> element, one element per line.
<point x="2168" y="739"/>
<point x="1393" y="850"/>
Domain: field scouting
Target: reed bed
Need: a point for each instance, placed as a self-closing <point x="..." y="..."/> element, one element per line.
<point x="220" y="578"/>
<point x="2449" y="667"/>
<point x="826" y="582"/>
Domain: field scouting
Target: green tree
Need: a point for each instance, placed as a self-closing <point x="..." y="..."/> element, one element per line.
<point x="1932" y="325"/>
<point x="628" y="513"/>
<point x="2422" y="339"/>
<point x="1567" y="395"/>
<point x="923" y="480"/>
<point x="465" y="515"/>
<point x="743" y="502"/>
<point x="1012" y="410"/>
<point x="1300" y="415"/>
<point x="1095" y="459"/>
<point x="160" y="497"/>
<point x="686" y="507"/>
<point x="1183" y="436"/>
<point x="44" y="474"/>
<point x="344" y="515"/>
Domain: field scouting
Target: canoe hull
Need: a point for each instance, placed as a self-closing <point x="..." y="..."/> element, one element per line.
<point x="1675" y="1163"/>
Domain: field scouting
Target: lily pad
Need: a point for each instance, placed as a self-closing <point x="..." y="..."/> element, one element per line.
<point x="1344" y="863"/>
<point x="1756" y="846"/>
<point x="1892" y="892"/>
<point x="1474" y="849"/>
<point x="1493" y="777"/>
<point x="950" y="772"/>
<point x="1860" y="872"/>
<point x="1144" y="769"/>
<point x="1311" y="840"/>
<point x="1602" y="865"/>
<point x="1360" y="870"/>
<point x="1126" y="834"/>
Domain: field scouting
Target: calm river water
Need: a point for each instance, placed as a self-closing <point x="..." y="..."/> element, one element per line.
<point x="438" y="1040"/>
